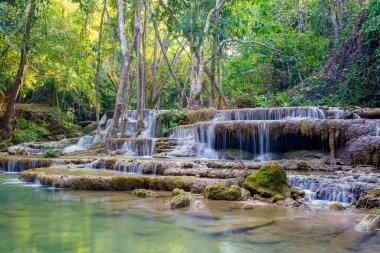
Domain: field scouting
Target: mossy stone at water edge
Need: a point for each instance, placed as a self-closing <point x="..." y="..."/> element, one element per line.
<point x="143" y="193"/>
<point x="179" y="199"/>
<point x="220" y="191"/>
<point x="177" y="191"/>
<point x="270" y="180"/>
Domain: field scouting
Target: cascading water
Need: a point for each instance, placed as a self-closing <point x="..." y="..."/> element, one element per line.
<point x="278" y="113"/>
<point x="201" y="141"/>
<point x="337" y="188"/>
<point x="141" y="145"/>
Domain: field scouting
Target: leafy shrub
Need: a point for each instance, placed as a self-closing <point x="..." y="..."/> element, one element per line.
<point x="29" y="131"/>
<point x="24" y="136"/>
<point x="170" y="119"/>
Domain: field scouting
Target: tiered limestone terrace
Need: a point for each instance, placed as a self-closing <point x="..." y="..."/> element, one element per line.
<point x="333" y="155"/>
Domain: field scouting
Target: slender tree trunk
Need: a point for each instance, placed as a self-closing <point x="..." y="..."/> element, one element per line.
<point x="98" y="64"/>
<point x="163" y="50"/>
<point x="127" y="57"/>
<point x="155" y="70"/>
<point x="214" y="59"/>
<point x="28" y="15"/>
<point x="140" y="118"/>
<point x="334" y="22"/>
<point x="196" y="89"/>
<point x="144" y="66"/>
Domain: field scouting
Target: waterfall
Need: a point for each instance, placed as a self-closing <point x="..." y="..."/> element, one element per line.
<point x="338" y="188"/>
<point x="278" y="113"/>
<point x="141" y="145"/>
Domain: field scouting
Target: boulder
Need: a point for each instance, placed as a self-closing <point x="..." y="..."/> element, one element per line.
<point x="297" y="193"/>
<point x="180" y="200"/>
<point x="369" y="200"/>
<point x="369" y="223"/>
<point x="336" y="206"/>
<point x="143" y="193"/>
<point x="220" y="191"/>
<point x="270" y="180"/>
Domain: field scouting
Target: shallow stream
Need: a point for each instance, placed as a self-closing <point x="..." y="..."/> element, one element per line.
<point x="38" y="219"/>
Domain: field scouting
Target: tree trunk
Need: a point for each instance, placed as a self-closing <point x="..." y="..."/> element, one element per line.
<point x="144" y="66"/>
<point x="127" y="57"/>
<point x="334" y="23"/>
<point x="140" y="122"/>
<point x="28" y="15"/>
<point x="155" y="70"/>
<point x="98" y="64"/>
<point x="214" y="59"/>
<point x="163" y="50"/>
<point x="197" y="83"/>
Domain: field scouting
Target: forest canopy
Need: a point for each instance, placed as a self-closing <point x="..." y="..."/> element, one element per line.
<point x="170" y="54"/>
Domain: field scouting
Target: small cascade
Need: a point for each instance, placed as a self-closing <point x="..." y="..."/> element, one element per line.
<point x="128" y="167"/>
<point x="141" y="145"/>
<point x="278" y="113"/>
<point x="17" y="166"/>
<point x="337" y="188"/>
<point x="84" y="143"/>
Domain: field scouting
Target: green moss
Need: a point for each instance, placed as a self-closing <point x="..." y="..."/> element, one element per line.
<point x="220" y="191"/>
<point x="180" y="201"/>
<point x="336" y="206"/>
<point x="268" y="181"/>
<point x="177" y="191"/>
<point x="143" y="193"/>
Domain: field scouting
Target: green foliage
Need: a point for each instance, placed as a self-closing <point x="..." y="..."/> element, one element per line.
<point x="29" y="131"/>
<point x="170" y="119"/>
<point x="376" y="211"/>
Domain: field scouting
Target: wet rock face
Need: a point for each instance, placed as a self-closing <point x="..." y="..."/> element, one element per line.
<point x="270" y="180"/>
<point x="219" y="191"/>
<point x="370" y="200"/>
<point x="364" y="150"/>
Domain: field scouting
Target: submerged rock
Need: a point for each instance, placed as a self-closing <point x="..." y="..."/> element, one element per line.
<point x="143" y="193"/>
<point x="336" y="206"/>
<point x="370" y="200"/>
<point x="220" y="191"/>
<point x="270" y="180"/>
<point x="369" y="223"/>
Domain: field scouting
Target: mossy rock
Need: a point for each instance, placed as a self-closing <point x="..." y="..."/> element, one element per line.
<point x="179" y="201"/>
<point x="370" y="199"/>
<point x="220" y="191"/>
<point x="143" y="193"/>
<point x="98" y="145"/>
<point x="177" y="191"/>
<point x="336" y="206"/>
<point x="270" y="180"/>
